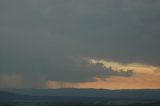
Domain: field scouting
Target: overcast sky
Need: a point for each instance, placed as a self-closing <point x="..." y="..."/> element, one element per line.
<point x="54" y="40"/>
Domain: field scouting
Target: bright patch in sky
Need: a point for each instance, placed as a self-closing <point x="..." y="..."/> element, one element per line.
<point x="145" y="76"/>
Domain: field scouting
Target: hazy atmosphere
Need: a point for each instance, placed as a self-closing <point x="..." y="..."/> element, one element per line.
<point x="109" y="44"/>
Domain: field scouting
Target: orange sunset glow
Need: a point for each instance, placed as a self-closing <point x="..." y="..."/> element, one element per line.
<point x="144" y="77"/>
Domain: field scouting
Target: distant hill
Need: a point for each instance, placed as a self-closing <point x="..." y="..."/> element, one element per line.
<point x="77" y="95"/>
<point x="8" y="97"/>
<point x="4" y="94"/>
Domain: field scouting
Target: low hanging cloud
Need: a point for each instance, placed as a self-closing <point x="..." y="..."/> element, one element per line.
<point x="83" y="71"/>
<point x="38" y="36"/>
<point x="68" y="70"/>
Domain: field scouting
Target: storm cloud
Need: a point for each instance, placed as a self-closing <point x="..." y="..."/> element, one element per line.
<point x="45" y="39"/>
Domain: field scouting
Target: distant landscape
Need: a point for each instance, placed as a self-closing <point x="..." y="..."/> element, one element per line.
<point x="79" y="52"/>
<point x="79" y="97"/>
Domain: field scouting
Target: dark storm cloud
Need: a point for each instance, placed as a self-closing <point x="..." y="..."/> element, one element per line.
<point x="38" y="36"/>
<point x="82" y="71"/>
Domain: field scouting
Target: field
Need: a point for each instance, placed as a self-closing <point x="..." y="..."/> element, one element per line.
<point x="78" y="104"/>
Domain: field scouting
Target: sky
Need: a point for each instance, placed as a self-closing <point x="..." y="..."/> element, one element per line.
<point x="103" y="44"/>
